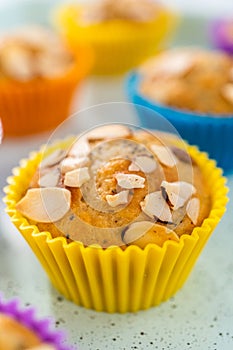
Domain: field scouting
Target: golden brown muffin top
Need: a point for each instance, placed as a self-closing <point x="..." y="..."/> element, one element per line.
<point x="132" y="10"/>
<point x="31" y="53"/>
<point x="116" y="186"/>
<point x="15" y="336"/>
<point x="192" y="79"/>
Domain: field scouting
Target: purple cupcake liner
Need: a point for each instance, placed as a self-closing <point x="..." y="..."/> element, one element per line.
<point x="219" y="34"/>
<point x="27" y="317"/>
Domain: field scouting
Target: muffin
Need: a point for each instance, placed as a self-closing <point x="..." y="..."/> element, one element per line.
<point x="221" y="34"/>
<point x="121" y="33"/>
<point x="193" y="89"/>
<point x="116" y="216"/>
<point x="38" y="78"/>
<point x="20" y="329"/>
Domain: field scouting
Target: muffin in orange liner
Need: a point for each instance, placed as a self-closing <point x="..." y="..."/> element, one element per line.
<point x="118" y="43"/>
<point x="38" y="98"/>
<point x="116" y="279"/>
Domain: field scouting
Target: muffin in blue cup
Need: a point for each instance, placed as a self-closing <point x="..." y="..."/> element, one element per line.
<point x="193" y="89"/>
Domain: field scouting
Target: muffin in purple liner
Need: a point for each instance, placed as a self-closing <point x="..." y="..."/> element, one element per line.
<point x="221" y="34"/>
<point x="26" y="331"/>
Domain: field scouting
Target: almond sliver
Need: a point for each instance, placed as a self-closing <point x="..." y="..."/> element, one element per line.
<point x="227" y="92"/>
<point x="130" y="181"/>
<point x="53" y="158"/>
<point x="80" y="148"/>
<point x="193" y="209"/>
<point x="155" y="206"/>
<point x="45" y="204"/>
<point x="117" y="199"/>
<point x="71" y="163"/>
<point x="177" y="192"/>
<point x="77" y="177"/>
<point x="16" y="63"/>
<point x="164" y="155"/>
<point x="146" y="164"/>
<point x="49" y="179"/>
<point x="136" y="230"/>
<point x="133" y="167"/>
<point x="108" y="132"/>
<point x="177" y="66"/>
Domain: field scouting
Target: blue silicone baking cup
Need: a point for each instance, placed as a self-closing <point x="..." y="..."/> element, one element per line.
<point x="212" y="134"/>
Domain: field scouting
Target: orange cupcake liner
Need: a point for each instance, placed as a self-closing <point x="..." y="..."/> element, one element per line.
<point x="40" y="105"/>
<point x="112" y="279"/>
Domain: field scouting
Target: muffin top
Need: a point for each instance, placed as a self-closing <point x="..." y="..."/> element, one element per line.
<point x="15" y="336"/>
<point x="33" y="53"/>
<point x="131" y="10"/>
<point x="117" y="186"/>
<point x="192" y="79"/>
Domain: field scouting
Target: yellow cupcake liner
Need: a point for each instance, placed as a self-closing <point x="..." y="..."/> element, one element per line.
<point x="117" y="45"/>
<point x="116" y="280"/>
<point x="40" y="105"/>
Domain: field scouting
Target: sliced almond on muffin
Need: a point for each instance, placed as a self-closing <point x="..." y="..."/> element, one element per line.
<point x="53" y="158"/>
<point x="133" y="167"/>
<point x="136" y="230"/>
<point x="80" y="148"/>
<point x="16" y="62"/>
<point x="146" y="164"/>
<point x="177" y="193"/>
<point x="164" y="155"/>
<point x="145" y="232"/>
<point x="109" y="132"/>
<point x="130" y="181"/>
<point x="71" y="163"/>
<point x="49" y="179"/>
<point x="167" y="66"/>
<point x="77" y="177"/>
<point x="193" y="209"/>
<point x="48" y="204"/>
<point x="227" y="92"/>
<point x="155" y="206"/>
<point x="118" y="198"/>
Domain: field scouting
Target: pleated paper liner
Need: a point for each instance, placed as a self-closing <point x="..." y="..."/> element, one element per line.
<point x="210" y="132"/>
<point x="117" y="45"/>
<point x="116" y="280"/>
<point x="40" y="105"/>
<point x="43" y="328"/>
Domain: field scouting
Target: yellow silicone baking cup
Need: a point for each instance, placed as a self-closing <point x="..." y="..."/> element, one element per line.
<point x="116" y="280"/>
<point x="117" y="45"/>
<point x="41" y="104"/>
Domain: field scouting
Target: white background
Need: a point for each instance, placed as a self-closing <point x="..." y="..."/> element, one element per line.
<point x="199" y="7"/>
